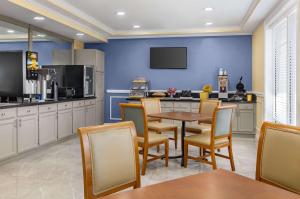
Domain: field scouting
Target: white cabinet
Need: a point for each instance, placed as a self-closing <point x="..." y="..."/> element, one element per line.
<point x="47" y="123"/>
<point x="99" y="85"/>
<point x="8" y="133"/>
<point x="78" y="115"/>
<point x="27" y="128"/>
<point x="90" y="57"/>
<point x="90" y="112"/>
<point x="99" y="112"/>
<point x="65" y="120"/>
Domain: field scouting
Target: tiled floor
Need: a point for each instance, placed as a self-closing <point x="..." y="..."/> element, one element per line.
<point x="55" y="172"/>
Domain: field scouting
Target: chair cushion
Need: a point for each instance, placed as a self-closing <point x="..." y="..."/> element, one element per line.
<point x="153" y="138"/>
<point x="204" y="139"/>
<point x="198" y="128"/>
<point x="159" y="126"/>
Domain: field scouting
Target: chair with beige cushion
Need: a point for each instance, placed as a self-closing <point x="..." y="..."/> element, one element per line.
<point x="136" y="113"/>
<point x="219" y="137"/>
<point x="152" y="105"/>
<point x="278" y="159"/>
<point x="206" y="108"/>
<point x="110" y="159"/>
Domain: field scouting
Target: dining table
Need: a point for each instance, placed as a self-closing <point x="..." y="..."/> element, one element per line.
<point x="183" y="117"/>
<point x="217" y="184"/>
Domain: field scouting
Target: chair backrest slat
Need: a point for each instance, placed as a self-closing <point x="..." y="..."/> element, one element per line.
<point x="278" y="159"/>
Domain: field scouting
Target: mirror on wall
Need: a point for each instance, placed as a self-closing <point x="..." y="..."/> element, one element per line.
<point x="51" y="50"/>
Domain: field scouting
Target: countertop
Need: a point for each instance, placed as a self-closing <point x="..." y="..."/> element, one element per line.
<point x="174" y="99"/>
<point x="15" y="105"/>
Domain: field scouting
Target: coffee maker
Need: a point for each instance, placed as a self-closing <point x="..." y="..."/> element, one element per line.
<point x="47" y="76"/>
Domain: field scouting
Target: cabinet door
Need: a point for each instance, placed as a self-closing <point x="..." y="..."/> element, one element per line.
<point x="78" y="118"/>
<point x="235" y="120"/>
<point x="85" y="57"/>
<point x="27" y="133"/>
<point x="100" y="61"/>
<point x="64" y="123"/>
<point x="8" y="138"/>
<point x="245" y="121"/>
<point x="90" y="117"/>
<point x="47" y="128"/>
<point x="99" y="85"/>
<point x="99" y="112"/>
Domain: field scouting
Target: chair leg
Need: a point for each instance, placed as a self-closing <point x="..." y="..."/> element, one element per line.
<point x="175" y="138"/>
<point x="167" y="153"/>
<point x="145" y="158"/>
<point x="231" y="157"/>
<point x="213" y="158"/>
<point x="158" y="148"/>
<point x="200" y="152"/>
<point x="185" y="155"/>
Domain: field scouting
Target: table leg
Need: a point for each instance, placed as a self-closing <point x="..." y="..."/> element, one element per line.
<point x="182" y="142"/>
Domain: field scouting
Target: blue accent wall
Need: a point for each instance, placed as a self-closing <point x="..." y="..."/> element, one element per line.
<point x="44" y="48"/>
<point x="125" y="59"/>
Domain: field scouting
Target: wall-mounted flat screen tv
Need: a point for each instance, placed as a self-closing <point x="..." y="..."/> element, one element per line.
<point x="11" y="74"/>
<point x="168" y="58"/>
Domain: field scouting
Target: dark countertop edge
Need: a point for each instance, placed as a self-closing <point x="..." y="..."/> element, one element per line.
<point x="192" y="100"/>
<point x="44" y="103"/>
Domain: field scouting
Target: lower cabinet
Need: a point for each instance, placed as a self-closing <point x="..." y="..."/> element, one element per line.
<point x="90" y="115"/>
<point x="8" y="138"/>
<point x="99" y="112"/>
<point x="78" y="118"/>
<point x="27" y="133"/>
<point x="47" y="127"/>
<point x="64" y="123"/>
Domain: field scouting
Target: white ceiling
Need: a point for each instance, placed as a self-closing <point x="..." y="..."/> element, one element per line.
<point x="98" y="20"/>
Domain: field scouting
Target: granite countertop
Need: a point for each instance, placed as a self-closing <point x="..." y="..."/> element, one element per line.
<point x="15" y="105"/>
<point x="176" y="99"/>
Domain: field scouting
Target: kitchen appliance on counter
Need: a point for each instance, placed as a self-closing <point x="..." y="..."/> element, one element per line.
<point x="139" y="88"/>
<point x="81" y="78"/>
<point x="186" y="94"/>
<point x="44" y="75"/>
<point x="240" y="93"/>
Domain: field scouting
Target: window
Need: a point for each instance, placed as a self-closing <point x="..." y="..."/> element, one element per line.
<point x="284" y="70"/>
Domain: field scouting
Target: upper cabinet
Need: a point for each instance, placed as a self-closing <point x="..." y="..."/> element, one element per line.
<point x="90" y="57"/>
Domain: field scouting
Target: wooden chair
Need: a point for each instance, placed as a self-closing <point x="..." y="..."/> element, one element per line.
<point x="278" y="159"/>
<point x="219" y="137"/>
<point x="206" y="108"/>
<point x="152" y="105"/>
<point x="110" y="159"/>
<point x="136" y="113"/>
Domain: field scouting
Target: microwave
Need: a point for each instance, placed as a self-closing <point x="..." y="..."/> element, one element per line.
<point x="81" y="78"/>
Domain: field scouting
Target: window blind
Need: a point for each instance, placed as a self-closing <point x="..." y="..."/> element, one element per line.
<point x="284" y="70"/>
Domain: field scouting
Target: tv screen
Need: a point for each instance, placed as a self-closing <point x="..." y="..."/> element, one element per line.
<point x="11" y="74"/>
<point x="168" y="58"/>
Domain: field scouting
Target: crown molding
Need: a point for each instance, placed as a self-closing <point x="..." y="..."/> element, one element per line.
<point x="249" y="13"/>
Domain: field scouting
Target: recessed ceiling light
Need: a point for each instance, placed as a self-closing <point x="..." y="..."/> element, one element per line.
<point x="209" y="23"/>
<point x="41" y="35"/>
<point x="39" y="18"/>
<point x="136" y="26"/>
<point x="10" y="31"/>
<point x="120" y="13"/>
<point x="79" y="34"/>
<point x="208" y="9"/>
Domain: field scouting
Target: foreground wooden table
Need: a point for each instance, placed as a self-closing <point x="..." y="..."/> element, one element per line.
<point x="183" y="117"/>
<point x="217" y="184"/>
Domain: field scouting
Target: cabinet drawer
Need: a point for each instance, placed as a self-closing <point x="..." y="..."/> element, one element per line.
<point x="182" y="109"/>
<point x="48" y="108"/>
<point x="184" y="105"/>
<point x="78" y="103"/>
<point x="8" y="113"/>
<point x="166" y="104"/>
<point x="164" y="110"/>
<point x="89" y="102"/>
<point x="195" y="105"/>
<point x="25" y="111"/>
<point x="246" y="106"/>
<point x="65" y="106"/>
